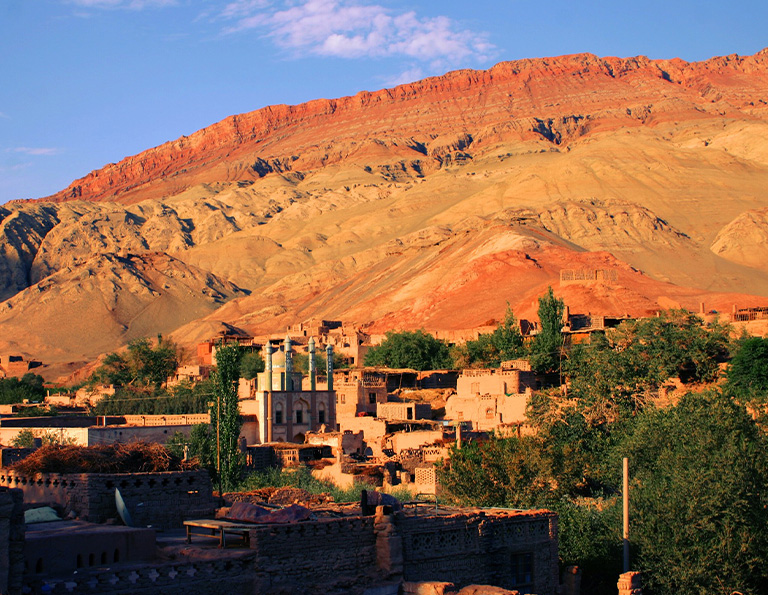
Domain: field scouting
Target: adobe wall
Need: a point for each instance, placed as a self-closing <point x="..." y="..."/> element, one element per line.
<point x="123" y="434"/>
<point x="168" y="420"/>
<point x="400" y="441"/>
<point x="11" y="541"/>
<point x="348" y="555"/>
<point x="318" y="557"/>
<point x="162" y="500"/>
<point x="334" y="555"/>
<point x="494" y="382"/>
<point x="476" y="548"/>
<point x="77" y="436"/>
<point x="219" y="576"/>
<point x="403" y="410"/>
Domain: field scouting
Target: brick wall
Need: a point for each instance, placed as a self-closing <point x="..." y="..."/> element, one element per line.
<point x="222" y="576"/>
<point x="476" y="548"/>
<point x="350" y="555"/>
<point x="327" y="555"/>
<point x="163" y="500"/>
<point x="11" y="541"/>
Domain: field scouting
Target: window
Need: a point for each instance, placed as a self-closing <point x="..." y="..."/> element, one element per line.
<point x="321" y="414"/>
<point x="371" y="397"/>
<point x="521" y="570"/>
<point x="279" y="414"/>
<point x="299" y="416"/>
<point x="409" y="412"/>
<point x="489" y="413"/>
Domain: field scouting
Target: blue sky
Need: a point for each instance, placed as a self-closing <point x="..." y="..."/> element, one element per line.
<point x="87" y="82"/>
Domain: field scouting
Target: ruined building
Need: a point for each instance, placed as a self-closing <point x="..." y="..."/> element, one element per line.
<point x="490" y="398"/>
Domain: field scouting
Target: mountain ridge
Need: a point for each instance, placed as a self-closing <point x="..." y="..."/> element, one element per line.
<point x="433" y="204"/>
<point x="168" y="159"/>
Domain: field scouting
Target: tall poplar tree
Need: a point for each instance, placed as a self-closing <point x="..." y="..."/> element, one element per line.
<point x="547" y="346"/>
<point x="225" y="416"/>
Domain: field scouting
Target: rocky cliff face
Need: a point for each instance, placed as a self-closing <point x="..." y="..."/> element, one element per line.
<point x="430" y="204"/>
<point x="440" y="118"/>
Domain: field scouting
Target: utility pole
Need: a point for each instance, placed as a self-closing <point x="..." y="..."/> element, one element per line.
<point x="218" y="435"/>
<point x="626" y="514"/>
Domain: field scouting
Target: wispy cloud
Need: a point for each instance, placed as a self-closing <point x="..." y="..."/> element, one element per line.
<point x="407" y="76"/>
<point x="4" y="116"/>
<point x="35" y="150"/>
<point x="128" y="4"/>
<point x="354" y="29"/>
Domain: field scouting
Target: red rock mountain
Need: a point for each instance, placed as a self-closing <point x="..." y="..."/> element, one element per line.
<point x="431" y="204"/>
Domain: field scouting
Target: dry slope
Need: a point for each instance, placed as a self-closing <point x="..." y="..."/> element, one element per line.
<point x="430" y="204"/>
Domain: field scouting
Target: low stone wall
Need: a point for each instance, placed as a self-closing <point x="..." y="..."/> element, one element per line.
<point x="223" y="576"/>
<point x="514" y="551"/>
<point x="162" y="500"/>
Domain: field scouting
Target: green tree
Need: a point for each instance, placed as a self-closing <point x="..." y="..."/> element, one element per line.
<point x="410" y="349"/>
<point x="301" y="362"/>
<point x="698" y="473"/>
<point x="500" y="472"/>
<point x="138" y="400"/>
<point x="142" y="364"/>
<point x="24" y="439"/>
<point x="15" y="390"/>
<point x="489" y="350"/>
<point x="225" y="415"/>
<point x="201" y="446"/>
<point x="748" y="371"/>
<point x="251" y="364"/>
<point x="546" y="351"/>
<point x="620" y="371"/>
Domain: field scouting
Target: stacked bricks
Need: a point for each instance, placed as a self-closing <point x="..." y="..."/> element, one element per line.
<point x="630" y="584"/>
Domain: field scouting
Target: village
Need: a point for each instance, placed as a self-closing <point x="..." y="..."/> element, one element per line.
<point x="388" y="426"/>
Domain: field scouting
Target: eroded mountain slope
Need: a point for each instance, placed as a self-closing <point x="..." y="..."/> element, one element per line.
<point x="431" y="204"/>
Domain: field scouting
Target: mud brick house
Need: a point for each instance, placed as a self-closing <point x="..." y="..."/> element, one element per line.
<point x="490" y="398"/>
<point x="353" y="555"/>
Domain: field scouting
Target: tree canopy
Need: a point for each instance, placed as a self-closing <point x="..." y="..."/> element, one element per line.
<point x="142" y="364"/>
<point x="225" y="414"/>
<point x="410" y="349"/>
<point x="251" y="364"/>
<point x="546" y="351"/>
<point x="489" y="350"/>
<point x="15" y="390"/>
<point x="698" y="468"/>
<point x="748" y="370"/>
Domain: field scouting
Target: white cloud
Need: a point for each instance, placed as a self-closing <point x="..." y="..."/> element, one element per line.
<point x="407" y="76"/>
<point x="354" y="29"/>
<point x="129" y="4"/>
<point x="34" y="150"/>
<point x="4" y="116"/>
